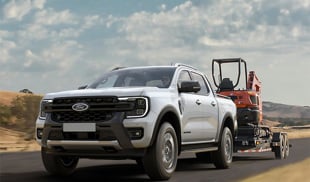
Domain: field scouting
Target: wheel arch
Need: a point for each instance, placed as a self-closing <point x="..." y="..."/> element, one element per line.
<point x="168" y="114"/>
<point x="228" y="121"/>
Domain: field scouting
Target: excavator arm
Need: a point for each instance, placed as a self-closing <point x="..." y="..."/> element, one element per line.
<point x="253" y="83"/>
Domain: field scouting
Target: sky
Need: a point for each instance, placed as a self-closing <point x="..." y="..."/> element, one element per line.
<point x="55" y="45"/>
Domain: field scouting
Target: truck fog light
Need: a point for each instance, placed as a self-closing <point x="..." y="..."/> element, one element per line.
<point x="135" y="133"/>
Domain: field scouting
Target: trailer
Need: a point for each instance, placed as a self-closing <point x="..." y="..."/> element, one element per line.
<point x="252" y="135"/>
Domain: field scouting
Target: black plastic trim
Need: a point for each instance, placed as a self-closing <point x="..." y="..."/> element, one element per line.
<point x="159" y="122"/>
<point x="115" y="125"/>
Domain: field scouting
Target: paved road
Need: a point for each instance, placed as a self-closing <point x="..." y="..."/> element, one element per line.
<point x="27" y="166"/>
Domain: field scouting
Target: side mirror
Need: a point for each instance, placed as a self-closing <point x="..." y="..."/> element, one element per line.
<point x="189" y="86"/>
<point x="82" y="87"/>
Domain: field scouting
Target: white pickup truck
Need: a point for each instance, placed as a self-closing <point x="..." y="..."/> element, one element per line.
<point x="149" y="114"/>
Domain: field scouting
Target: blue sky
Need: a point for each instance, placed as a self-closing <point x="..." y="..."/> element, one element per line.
<point x="49" y="46"/>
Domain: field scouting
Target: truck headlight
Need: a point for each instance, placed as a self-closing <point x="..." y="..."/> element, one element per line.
<point x="141" y="106"/>
<point x="43" y="107"/>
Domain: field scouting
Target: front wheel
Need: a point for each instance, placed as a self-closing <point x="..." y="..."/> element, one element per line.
<point x="160" y="160"/>
<point x="59" y="165"/>
<point x="223" y="157"/>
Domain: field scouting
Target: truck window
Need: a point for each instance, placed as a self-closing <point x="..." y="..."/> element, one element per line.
<point x="204" y="88"/>
<point x="183" y="76"/>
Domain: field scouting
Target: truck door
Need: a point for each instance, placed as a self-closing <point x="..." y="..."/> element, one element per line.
<point x="199" y="111"/>
<point x="207" y="109"/>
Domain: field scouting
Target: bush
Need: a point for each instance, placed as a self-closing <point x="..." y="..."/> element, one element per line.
<point x="5" y="115"/>
<point x="21" y="114"/>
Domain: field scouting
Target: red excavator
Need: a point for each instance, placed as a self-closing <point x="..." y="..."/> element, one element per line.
<point x="252" y="135"/>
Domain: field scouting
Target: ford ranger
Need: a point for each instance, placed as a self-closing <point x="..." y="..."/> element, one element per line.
<point x="149" y="114"/>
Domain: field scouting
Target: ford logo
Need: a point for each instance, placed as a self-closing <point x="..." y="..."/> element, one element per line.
<point x="80" y="107"/>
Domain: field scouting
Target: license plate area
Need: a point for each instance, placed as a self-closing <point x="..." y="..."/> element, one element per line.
<point x="79" y="127"/>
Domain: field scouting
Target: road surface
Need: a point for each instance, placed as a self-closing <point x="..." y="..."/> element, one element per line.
<point x="27" y="166"/>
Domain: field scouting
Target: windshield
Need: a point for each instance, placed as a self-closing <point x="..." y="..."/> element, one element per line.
<point x="136" y="77"/>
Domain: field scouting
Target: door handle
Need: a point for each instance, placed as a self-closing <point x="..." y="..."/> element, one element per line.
<point x="213" y="104"/>
<point x="198" y="102"/>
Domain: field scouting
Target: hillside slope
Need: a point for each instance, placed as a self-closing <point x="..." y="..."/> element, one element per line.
<point x="8" y="96"/>
<point x="276" y="110"/>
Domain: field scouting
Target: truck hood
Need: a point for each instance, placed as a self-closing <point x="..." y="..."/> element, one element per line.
<point x="115" y="91"/>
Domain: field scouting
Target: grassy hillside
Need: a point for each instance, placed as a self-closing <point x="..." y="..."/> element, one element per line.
<point x="286" y="115"/>
<point x="19" y="111"/>
<point x="7" y="97"/>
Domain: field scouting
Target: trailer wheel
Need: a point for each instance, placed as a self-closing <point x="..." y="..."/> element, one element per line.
<point x="279" y="151"/>
<point x="223" y="157"/>
<point x="287" y="147"/>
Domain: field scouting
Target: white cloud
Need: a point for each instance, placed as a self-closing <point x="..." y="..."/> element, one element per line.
<point x="213" y="42"/>
<point x="91" y="20"/>
<point x="38" y="3"/>
<point x="225" y="23"/>
<point x="17" y="9"/>
<point x="66" y="33"/>
<point x="6" y="47"/>
<point x="163" y="7"/>
<point x="285" y="11"/>
<point x="110" y="20"/>
<point x="62" y="54"/>
<point x="34" y="32"/>
<point x="29" y="58"/>
<point x="5" y="33"/>
<point x="52" y="17"/>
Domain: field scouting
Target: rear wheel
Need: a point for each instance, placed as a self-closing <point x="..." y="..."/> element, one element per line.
<point x="59" y="165"/>
<point x="223" y="157"/>
<point x="160" y="159"/>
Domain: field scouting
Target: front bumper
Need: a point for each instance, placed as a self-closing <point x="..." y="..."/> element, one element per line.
<point x="113" y="138"/>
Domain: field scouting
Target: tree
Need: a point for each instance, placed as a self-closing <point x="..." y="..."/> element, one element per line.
<point x="25" y="109"/>
<point x="5" y="115"/>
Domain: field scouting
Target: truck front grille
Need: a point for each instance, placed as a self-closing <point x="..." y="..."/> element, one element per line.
<point x="99" y="109"/>
<point x="87" y="116"/>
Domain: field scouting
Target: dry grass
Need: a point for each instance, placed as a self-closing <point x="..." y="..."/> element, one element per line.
<point x="13" y="141"/>
<point x="294" y="133"/>
<point x="7" y="96"/>
<point x="294" y="172"/>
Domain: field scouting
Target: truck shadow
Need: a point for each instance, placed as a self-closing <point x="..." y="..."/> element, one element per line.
<point x="116" y="172"/>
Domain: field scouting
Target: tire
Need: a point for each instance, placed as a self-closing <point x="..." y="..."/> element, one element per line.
<point x="287" y="147"/>
<point x="279" y="151"/>
<point x="223" y="157"/>
<point x="160" y="160"/>
<point x="59" y="165"/>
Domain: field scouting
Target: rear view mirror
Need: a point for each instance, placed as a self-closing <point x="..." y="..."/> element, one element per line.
<point x="189" y="86"/>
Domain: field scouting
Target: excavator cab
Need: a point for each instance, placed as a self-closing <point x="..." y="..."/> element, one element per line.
<point x="247" y="100"/>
